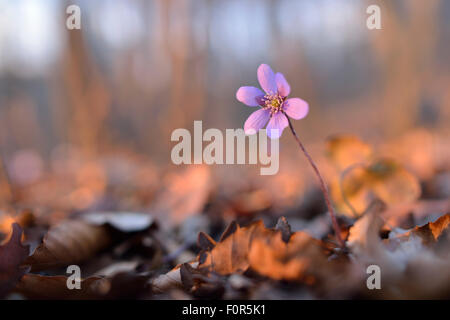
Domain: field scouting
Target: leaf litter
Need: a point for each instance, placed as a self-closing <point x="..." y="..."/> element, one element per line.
<point x="187" y="237"/>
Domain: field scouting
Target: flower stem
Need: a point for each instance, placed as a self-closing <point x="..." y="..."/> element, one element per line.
<point x="323" y="187"/>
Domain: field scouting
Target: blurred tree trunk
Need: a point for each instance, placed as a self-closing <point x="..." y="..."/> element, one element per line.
<point x="83" y="90"/>
<point x="404" y="48"/>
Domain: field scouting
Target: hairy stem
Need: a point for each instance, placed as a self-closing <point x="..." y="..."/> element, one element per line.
<point x="323" y="187"/>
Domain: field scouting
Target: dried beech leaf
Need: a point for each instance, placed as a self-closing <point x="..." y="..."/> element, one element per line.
<point x="364" y="239"/>
<point x="186" y="276"/>
<point x="415" y="213"/>
<point x="124" y="284"/>
<point x="205" y="242"/>
<point x="392" y="183"/>
<point x="12" y="254"/>
<point x="128" y="285"/>
<point x="6" y="220"/>
<point x="24" y="218"/>
<point x="346" y="150"/>
<point x="431" y="232"/>
<point x="70" y="242"/>
<point x="183" y="195"/>
<point x="285" y="229"/>
<point x="366" y="245"/>
<point x="230" y="254"/>
<point x="402" y="258"/>
<point x="34" y="286"/>
<point x="122" y="221"/>
<point x="277" y="254"/>
<point x="169" y="280"/>
<point x="299" y="259"/>
<point x="383" y="179"/>
<point x="200" y="283"/>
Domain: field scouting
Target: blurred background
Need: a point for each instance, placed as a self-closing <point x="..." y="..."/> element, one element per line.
<point x="86" y="115"/>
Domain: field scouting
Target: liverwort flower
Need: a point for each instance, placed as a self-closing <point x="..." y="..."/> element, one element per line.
<point x="273" y="103"/>
<point x="274" y="111"/>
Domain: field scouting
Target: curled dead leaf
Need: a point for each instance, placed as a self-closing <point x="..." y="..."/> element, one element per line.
<point x="70" y="242"/>
<point x="431" y="232"/>
<point x="12" y="254"/>
<point x="383" y="179"/>
<point x="124" y="284"/>
<point x="34" y="286"/>
<point x="230" y="254"/>
<point x="275" y="253"/>
<point x="200" y="283"/>
<point x="285" y="228"/>
<point x="169" y="280"/>
<point x="401" y="258"/>
<point x="296" y="260"/>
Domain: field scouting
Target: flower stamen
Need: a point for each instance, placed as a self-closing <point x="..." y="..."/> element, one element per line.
<point x="274" y="102"/>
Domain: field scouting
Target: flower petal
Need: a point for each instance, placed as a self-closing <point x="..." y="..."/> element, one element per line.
<point x="283" y="86"/>
<point x="257" y="120"/>
<point x="276" y="125"/>
<point x="250" y="96"/>
<point x="266" y="79"/>
<point x="296" y="108"/>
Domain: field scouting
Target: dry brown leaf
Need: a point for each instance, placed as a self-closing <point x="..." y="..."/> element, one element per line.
<point x="230" y="254"/>
<point x="392" y="183"/>
<point x="70" y="242"/>
<point x="297" y="260"/>
<point x="169" y="280"/>
<point x="383" y="179"/>
<point x="123" y="284"/>
<point x="24" y="218"/>
<point x="34" y="286"/>
<point x="363" y="179"/>
<point x="431" y="232"/>
<point x="277" y="254"/>
<point x="12" y="254"/>
<point x="128" y="285"/>
<point x="346" y="150"/>
<point x="364" y="240"/>
<point x="410" y="214"/>
<point x="285" y="229"/>
<point x="404" y="261"/>
<point x="200" y="283"/>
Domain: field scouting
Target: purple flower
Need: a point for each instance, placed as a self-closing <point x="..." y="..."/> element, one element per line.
<point x="273" y="102"/>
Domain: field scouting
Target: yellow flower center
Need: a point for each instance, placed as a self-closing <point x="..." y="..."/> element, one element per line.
<point x="274" y="102"/>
